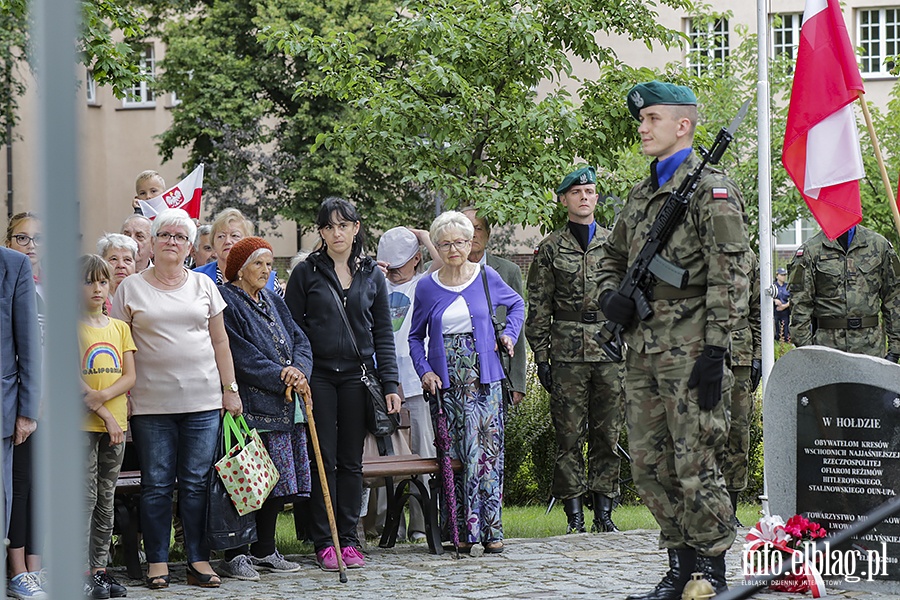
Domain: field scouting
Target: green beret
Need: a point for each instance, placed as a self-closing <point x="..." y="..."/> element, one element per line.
<point x="658" y="92"/>
<point x="582" y="176"/>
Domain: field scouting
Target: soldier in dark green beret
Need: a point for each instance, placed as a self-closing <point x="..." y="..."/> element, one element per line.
<point x="677" y="380"/>
<point x="585" y="386"/>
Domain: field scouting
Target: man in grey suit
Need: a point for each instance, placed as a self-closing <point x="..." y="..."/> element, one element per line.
<point x="19" y="359"/>
<point x="512" y="275"/>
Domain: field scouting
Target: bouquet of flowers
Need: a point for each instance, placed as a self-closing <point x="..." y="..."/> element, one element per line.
<point x="773" y="545"/>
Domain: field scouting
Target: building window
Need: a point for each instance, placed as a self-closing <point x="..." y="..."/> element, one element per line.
<point x="795" y="235"/>
<point x="878" y="35"/>
<point x="785" y="36"/>
<point x="140" y="94"/>
<point x="90" y="87"/>
<point x="709" y="45"/>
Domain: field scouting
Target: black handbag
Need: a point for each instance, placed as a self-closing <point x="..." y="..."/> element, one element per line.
<point x="379" y="422"/>
<point x="503" y="355"/>
<point x="225" y="528"/>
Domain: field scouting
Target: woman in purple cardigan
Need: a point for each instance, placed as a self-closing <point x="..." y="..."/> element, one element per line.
<point x="451" y="310"/>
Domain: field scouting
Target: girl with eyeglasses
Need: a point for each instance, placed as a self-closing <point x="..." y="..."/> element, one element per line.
<point x="23" y="234"/>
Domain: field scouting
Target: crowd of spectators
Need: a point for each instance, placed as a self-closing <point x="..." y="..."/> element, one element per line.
<point x="183" y="321"/>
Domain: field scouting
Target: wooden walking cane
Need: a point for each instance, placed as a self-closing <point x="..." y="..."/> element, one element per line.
<point x="323" y="476"/>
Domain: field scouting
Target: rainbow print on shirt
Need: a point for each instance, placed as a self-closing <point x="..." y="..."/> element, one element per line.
<point x="101" y="357"/>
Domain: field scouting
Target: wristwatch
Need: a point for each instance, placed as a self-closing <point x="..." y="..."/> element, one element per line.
<point x="232" y="387"/>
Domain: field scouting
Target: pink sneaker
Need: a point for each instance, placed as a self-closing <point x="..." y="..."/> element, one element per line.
<point x="326" y="558"/>
<point x="353" y="559"/>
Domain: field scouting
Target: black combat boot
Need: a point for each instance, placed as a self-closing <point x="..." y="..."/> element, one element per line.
<point x="574" y="514"/>
<point x="681" y="565"/>
<point x="734" y="502"/>
<point x="713" y="570"/>
<point x="603" y="506"/>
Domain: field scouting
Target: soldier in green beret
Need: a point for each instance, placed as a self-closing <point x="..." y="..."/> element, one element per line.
<point x="677" y="382"/>
<point x="840" y="287"/>
<point x="585" y="387"/>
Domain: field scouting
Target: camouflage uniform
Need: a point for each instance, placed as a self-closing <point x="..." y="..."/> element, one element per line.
<point x="586" y="403"/>
<point x="837" y="295"/>
<point x="673" y="442"/>
<point x="746" y="344"/>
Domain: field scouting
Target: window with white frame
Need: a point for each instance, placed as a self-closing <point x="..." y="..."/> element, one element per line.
<point x="140" y="93"/>
<point x="878" y="35"/>
<point x="796" y="234"/>
<point x="785" y="34"/>
<point x="90" y="87"/>
<point x="709" y="45"/>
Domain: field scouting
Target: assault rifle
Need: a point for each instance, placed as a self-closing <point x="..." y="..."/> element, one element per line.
<point x="649" y="265"/>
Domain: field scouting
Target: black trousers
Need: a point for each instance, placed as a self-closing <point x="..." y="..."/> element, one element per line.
<point x="339" y="402"/>
<point x="22" y="526"/>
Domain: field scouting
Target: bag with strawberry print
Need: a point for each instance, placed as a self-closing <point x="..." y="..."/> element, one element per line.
<point x="246" y="470"/>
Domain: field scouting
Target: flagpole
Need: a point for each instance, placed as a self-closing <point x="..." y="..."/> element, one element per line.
<point x="884" y="176"/>
<point x="764" y="178"/>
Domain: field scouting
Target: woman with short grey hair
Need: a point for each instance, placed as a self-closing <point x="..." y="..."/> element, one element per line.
<point x="120" y="251"/>
<point x="452" y="314"/>
<point x="185" y="377"/>
<point x="451" y="221"/>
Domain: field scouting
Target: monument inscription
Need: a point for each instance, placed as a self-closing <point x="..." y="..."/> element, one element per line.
<point x="848" y="461"/>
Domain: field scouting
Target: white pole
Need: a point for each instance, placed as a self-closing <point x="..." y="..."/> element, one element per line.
<point x="764" y="175"/>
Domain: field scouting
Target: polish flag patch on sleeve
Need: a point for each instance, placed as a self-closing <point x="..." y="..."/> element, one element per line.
<point x="720" y="193"/>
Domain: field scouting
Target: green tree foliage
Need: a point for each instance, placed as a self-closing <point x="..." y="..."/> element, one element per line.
<point x="239" y="115"/>
<point x="112" y="63"/>
<point x="470" y="97"/>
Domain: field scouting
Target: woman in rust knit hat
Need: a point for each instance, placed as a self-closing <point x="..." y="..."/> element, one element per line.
<point x="270" y="353"/>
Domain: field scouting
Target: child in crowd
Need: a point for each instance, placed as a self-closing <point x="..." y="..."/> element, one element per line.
<point x="107" y="373"/>
<point x="149" y="184"/>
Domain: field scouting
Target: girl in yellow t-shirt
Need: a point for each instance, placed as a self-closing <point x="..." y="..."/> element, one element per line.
<point x="107" y="373"/>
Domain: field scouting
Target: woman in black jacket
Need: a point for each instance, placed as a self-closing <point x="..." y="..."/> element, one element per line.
<point x="339" y="396"/>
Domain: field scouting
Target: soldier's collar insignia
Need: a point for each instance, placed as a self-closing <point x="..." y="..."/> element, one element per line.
<point x="637" y="99"/>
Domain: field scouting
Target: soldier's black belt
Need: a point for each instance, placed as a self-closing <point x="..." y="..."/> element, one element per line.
<point x="851" y="323"/>
<point x="668" y="292"/>
<point x="578" y="317"/>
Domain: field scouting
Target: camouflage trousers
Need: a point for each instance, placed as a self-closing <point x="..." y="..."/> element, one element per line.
<point x="103" y="465"/>
<point x="674" y="446"/>
<point x="735" y="453"/>
<point x="586" y="406"/>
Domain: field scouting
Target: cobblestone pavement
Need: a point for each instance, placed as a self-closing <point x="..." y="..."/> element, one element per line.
<point x="596" y="566"/>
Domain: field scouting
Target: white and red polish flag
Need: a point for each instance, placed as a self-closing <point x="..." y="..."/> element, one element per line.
<point x="185" y="195"/>
<point x="821" y="143"/>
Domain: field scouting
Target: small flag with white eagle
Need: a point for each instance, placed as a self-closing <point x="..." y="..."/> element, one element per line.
<point x="184" y="195"/>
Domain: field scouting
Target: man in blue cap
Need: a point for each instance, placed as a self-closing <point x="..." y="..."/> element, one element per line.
<point x="585" y="386"/>
<point x="677" y="383"/>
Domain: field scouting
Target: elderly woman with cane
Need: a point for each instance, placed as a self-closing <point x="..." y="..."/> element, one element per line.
<point x="453" y="309"/>
<point x="271" y="353"/>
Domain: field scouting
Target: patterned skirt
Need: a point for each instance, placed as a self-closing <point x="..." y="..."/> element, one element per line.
<point x="291" y="457"/>
<point x="475" y="421"/>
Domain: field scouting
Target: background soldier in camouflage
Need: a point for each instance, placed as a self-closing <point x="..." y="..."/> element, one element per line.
<point x="677" y="387"/>
<point x="585" y="387"/>
<point x="746" y="365"/>
<point x="838" y="289"/>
